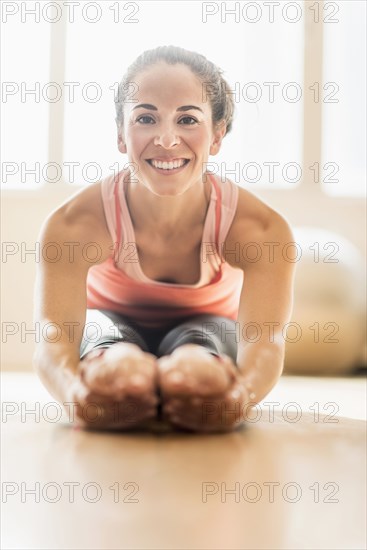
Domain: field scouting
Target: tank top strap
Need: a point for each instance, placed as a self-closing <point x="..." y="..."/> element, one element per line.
<point x="218" y="211"/>
<point x="117" y="210"/>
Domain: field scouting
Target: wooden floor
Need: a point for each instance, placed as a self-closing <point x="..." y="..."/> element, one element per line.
<point x="292" y="480"/>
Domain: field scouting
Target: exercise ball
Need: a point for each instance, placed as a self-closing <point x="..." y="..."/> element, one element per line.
<point x="326" y="334"/>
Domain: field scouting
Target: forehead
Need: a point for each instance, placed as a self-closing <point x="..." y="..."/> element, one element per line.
<point x="169" y="86"/>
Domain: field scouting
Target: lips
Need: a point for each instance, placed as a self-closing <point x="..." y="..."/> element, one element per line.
<point x="167" y="159"/>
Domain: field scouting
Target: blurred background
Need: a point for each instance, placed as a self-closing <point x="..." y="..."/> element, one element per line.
<point x="298" y="141"/>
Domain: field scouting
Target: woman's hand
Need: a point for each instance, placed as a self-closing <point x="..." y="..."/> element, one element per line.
<point x="202" y="392"/>
<point x="115" y="387"/>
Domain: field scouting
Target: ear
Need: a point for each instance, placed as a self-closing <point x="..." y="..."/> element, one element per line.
<point x="121" y="145"/>
<point x="218" y="135"/>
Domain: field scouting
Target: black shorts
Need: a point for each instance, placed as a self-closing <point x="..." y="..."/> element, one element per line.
<point x="104" y="328"/>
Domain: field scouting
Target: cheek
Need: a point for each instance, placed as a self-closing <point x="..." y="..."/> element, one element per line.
<point x="200" y="141"/>
<point x="137" y="140"/>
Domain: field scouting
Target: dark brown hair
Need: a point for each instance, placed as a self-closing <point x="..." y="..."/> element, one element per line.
<point x="217" y="89"/>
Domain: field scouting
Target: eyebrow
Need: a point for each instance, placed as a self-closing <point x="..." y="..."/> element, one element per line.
<point x="153" y="108"/>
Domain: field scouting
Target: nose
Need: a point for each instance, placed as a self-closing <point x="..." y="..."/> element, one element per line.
<point x="166" y="137"/>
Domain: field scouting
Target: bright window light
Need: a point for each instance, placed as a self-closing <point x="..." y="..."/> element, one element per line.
<point x="344" y="102"/>
<point x="25" y="48"/>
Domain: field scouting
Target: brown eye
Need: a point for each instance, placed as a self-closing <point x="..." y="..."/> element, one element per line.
<point x="191" y="120"/>
<point x="144" y="116"/>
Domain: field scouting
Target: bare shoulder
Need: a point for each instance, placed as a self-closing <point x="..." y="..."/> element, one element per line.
<point x="254" y="224"/>
<point x="82" y="216"/>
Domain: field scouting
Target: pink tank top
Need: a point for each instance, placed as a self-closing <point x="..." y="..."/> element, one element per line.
<point x="119" y="284"/>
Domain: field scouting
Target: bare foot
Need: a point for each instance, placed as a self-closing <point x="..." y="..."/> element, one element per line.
<point x="191" y="368"/>
<point x="123" y="378"/>
<point x="189" y="375"/>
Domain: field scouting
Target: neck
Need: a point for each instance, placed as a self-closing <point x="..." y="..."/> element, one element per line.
<point x="167" y="215"/>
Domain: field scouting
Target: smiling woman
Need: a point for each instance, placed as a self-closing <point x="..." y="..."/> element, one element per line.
<point x="166" y="346"/>
<point x="164" y="130"/>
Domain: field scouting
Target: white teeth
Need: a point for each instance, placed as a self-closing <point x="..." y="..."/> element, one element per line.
<point x="168" y="165"/>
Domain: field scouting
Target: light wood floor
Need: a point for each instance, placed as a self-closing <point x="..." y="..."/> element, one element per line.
<point x="292" y="480"/>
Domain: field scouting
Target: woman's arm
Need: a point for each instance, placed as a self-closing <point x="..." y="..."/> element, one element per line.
<point x="265" y="307"/>
<point x="60" y="299"/>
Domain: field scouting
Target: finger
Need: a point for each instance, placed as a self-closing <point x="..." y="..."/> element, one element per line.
<point x="235" y="393"/>
<point x="231" y="369"/>
<point x="115" y="379"/>
<point x="198" y="411"/>
<point x="94" y="373"/>
<point x="99" y="385"/>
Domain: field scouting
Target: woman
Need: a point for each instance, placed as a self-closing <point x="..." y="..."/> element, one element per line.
<point x="157" y="305"/>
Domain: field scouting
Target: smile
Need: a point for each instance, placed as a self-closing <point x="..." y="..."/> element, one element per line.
<point x="171" y="166"/>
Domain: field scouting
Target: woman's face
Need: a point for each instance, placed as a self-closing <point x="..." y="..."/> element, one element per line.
<point x="169" y="119"/>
